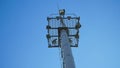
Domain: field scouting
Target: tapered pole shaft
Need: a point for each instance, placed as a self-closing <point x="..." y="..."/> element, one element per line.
<point x="68" y="61"/>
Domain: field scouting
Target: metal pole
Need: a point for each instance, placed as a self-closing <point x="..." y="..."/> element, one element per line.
<point x="68" y="61"/>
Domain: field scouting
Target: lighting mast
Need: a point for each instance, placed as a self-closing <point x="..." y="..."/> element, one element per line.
<point x="63" y="32"/>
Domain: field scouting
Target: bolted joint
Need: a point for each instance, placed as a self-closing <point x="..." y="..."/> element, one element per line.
<point x="48" y="19"/>
<point x="48" y="36"/>
<point x="48" y="27"/>
<point x="69" y="17"/>
<point x="57" y="17"/>
<point x="78" y="18"/>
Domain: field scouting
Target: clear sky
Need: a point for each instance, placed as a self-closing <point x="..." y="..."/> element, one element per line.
<point x="23" y="42"/>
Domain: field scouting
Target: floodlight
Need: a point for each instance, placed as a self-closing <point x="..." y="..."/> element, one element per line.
<point x="62" y="12"/>
<point x="78" y="25"/>
<point x="54" y="41"/>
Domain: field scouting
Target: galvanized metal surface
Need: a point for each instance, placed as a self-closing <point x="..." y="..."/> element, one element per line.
<point x="68" y="61"/>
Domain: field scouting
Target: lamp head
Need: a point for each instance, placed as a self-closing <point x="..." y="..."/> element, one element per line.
<point x="62" y="12"/>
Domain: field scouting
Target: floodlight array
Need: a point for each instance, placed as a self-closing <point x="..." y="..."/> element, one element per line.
<point x="54" y="26"/>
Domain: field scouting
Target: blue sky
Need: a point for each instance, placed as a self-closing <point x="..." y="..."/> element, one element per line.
<point x="23" y="42"/>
